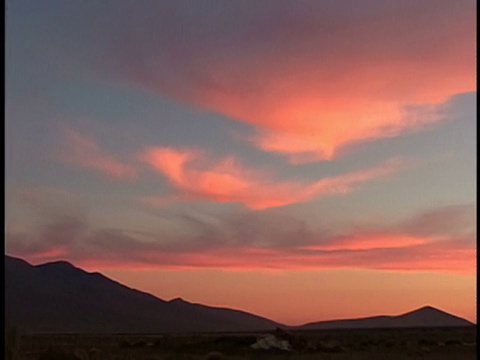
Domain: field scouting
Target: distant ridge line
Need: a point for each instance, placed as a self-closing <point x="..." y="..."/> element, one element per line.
<point x="61" y="298"/>
<point x="426" y="316"/>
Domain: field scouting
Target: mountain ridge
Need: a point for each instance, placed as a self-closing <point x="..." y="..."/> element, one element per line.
<point x="42" y="299"/>
<point x="425" y="316"/>
<point x="60" y="297"/>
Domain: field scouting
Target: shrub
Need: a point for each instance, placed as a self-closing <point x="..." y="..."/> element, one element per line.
<point x="215" y="355"/>
<point x="427" y="342"/>
<point x="125" y="344"/>
<point x="453" y="342"/>
<point x="138" y="344"/>
<point x="56" y="354"/>
<point x="12" y="342"/>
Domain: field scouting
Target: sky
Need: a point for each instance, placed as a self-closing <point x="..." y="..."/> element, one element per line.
<point x="300" y="160"/>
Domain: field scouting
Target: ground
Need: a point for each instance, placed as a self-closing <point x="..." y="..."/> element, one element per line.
<point x="436" y="343"/>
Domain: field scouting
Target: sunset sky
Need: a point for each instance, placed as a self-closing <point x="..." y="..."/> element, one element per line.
<point x="300" y="160"/>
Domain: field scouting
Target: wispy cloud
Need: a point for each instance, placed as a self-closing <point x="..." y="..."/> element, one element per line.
<point x="369" y="241"/>
<point x="196" y="175"/>
<point x="258" y="240"/>
<point x="447" y="221"/>
<point x="325" y="81"/>
<point x="321" y="135"/>
<point x="83" y="151"/>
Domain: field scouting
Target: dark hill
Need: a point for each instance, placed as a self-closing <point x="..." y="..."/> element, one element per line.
<point x="58" y="297"/>
<point x="424" y="317"/>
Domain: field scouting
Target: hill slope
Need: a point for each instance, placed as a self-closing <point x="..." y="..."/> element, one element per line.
<point x="424" y="317"/>
<point x="58" y="297"/>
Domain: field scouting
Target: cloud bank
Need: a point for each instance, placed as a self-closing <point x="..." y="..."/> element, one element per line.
<point x="267" y="240"/>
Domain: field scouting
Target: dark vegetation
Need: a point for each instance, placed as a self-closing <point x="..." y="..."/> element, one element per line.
<point x="12" y="341"/>
<point x="405" y="343"/>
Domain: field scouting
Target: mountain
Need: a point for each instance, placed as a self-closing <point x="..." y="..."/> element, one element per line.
<point x="424" y="317"/>
<point x="58" y="297"/>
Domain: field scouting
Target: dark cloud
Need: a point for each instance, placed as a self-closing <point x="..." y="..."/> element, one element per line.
<point x="453" y="220"/>
<point x="64" y="234"/>
<point x="434" y="240"/>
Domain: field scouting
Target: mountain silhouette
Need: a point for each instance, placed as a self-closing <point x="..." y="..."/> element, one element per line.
<point x="426" y="316"/>
<point x="58" y="297"/>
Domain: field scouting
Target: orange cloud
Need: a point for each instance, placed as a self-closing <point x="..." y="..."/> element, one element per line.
<point x="258" y="240"/>
<point x="429" y="256"/>
<point x="52" y="253"/>
<point x="446" y="257"/>
<point x="83" y="151"/>
<point x="412" y="258"/>
<point x="228" y="181"/>
<point x="312" y="132"/>
<point x="312" y="117"/>
<point x="370" y="241"/>
<point x="327" y="80"/>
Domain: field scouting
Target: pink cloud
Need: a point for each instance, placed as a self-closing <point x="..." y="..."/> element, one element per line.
<point x="83" y="151"/>
<point x="427" y="257"/>
<point x="448" y="256"/>
<point x="49" y="254"/>
<point x="370" y="241"/>
<point x="258" y="240"/>
<point x="324" y="82"/>
<point x="226" y="180"/>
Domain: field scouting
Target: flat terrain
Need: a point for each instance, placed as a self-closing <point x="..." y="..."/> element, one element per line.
<point x="433" y="343"/>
